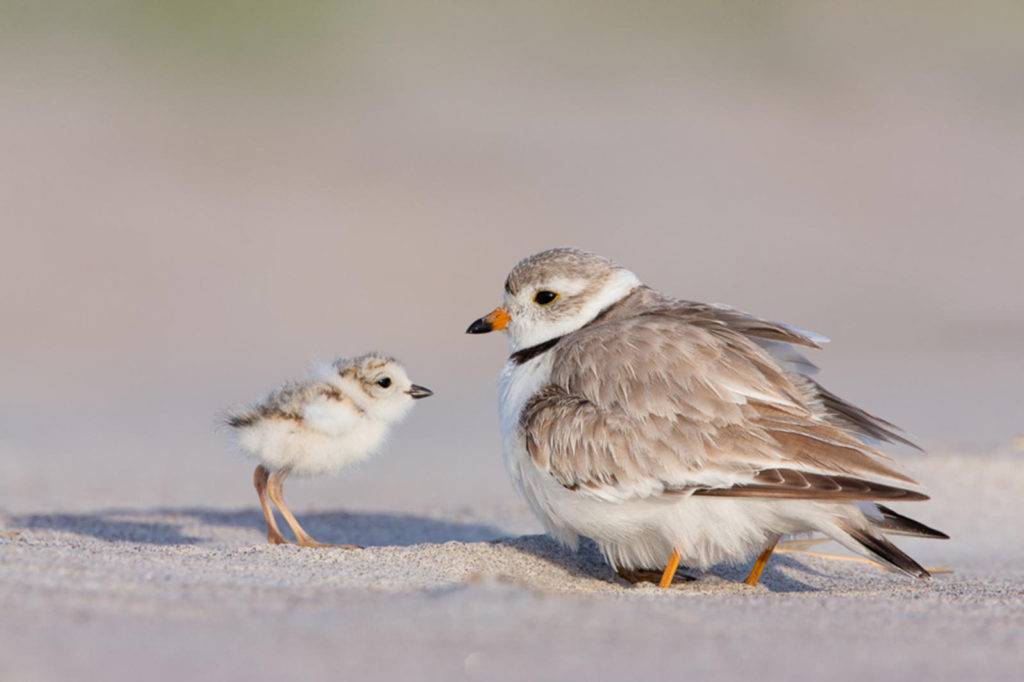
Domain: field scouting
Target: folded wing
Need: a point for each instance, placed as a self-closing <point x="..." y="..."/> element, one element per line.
<point x="673" y="402"/>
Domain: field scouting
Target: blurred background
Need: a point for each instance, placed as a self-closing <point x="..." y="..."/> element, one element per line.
<point x="198" y="200"/>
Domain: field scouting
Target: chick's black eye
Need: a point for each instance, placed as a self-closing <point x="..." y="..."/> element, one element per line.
<point x="384" y="383"/>
<point x="544" y="297"/>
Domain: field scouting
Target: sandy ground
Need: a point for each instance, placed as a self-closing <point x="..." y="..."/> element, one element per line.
<point x="194" y="593"/>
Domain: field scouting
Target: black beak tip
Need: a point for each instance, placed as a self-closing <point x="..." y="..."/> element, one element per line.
<point x="480" y="326"/>
<point x="418" y="392"/>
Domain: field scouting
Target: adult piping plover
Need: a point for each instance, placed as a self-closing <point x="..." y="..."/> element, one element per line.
<point x="321" y="425"/>
<point x="666" y="429"/>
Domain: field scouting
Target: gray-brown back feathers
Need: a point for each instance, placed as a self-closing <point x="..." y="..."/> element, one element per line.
<point x="660" y="395"/>
<point x="287" y="402"/>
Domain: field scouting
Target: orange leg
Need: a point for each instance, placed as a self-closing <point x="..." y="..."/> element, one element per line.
<point x="259" y="479"/>
<point x="762" y="561"/>
<point x="670" y="569"/>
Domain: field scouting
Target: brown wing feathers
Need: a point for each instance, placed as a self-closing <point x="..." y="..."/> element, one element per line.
<point x="658" y="397"/>
<point x="747" y="325"/>
<point x="840" y="412"/>
<point x="824" y="446"/>
<point x="860" y="421"/>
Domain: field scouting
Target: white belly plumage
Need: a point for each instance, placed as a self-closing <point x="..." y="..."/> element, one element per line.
<point x="286" y="444"/>
<point x="642" y="532"/>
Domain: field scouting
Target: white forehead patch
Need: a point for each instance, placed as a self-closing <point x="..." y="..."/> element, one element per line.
<point x="564" y="285"/>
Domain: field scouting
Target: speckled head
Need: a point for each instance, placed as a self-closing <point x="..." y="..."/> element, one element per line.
<point x="378" y="383"/>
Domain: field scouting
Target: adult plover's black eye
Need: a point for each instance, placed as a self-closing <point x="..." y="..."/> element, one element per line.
<point x="544" y="297"/>
<point x="384" y="383"/>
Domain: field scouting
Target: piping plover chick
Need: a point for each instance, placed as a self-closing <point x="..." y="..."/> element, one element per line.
<point x="321" y="425"/>
<point x="666" y="430"/>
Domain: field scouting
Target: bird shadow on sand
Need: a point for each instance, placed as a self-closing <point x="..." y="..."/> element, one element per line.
<point x="112" y="526"/>
<point x="587" y="562"/>
<point x="200" y="525"/>
<point x="368" y="529"/>
<point x="203" y="526"/>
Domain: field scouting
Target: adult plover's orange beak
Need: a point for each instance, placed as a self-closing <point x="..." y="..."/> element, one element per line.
<point x="496" y="320"/>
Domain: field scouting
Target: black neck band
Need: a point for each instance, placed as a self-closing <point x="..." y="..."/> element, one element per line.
<point x="527" y="354"/>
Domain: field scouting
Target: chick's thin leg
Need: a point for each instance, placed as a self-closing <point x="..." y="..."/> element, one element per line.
<point x="276" y="490"/>
<point x="259" y="479"/>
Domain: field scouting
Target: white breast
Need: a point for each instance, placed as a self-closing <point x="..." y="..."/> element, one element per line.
<point x="517" y="384"/>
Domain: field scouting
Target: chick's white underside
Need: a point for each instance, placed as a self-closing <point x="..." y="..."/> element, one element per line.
<point x="329" y="437"/>
<point x="641" y="532"/>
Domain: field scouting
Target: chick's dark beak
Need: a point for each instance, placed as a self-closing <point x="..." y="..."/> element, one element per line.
<point x="495" y="320"/>
<point x="419" y="392"/>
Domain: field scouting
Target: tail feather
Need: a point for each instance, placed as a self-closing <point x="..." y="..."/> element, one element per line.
<point x="884" y="551"/>
<point x="238" y="421"/>
<point x="892" y="523"/>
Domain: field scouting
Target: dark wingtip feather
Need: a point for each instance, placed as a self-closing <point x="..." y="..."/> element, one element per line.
<point x="888" y="553"/>
<point x="893" y="522"/>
